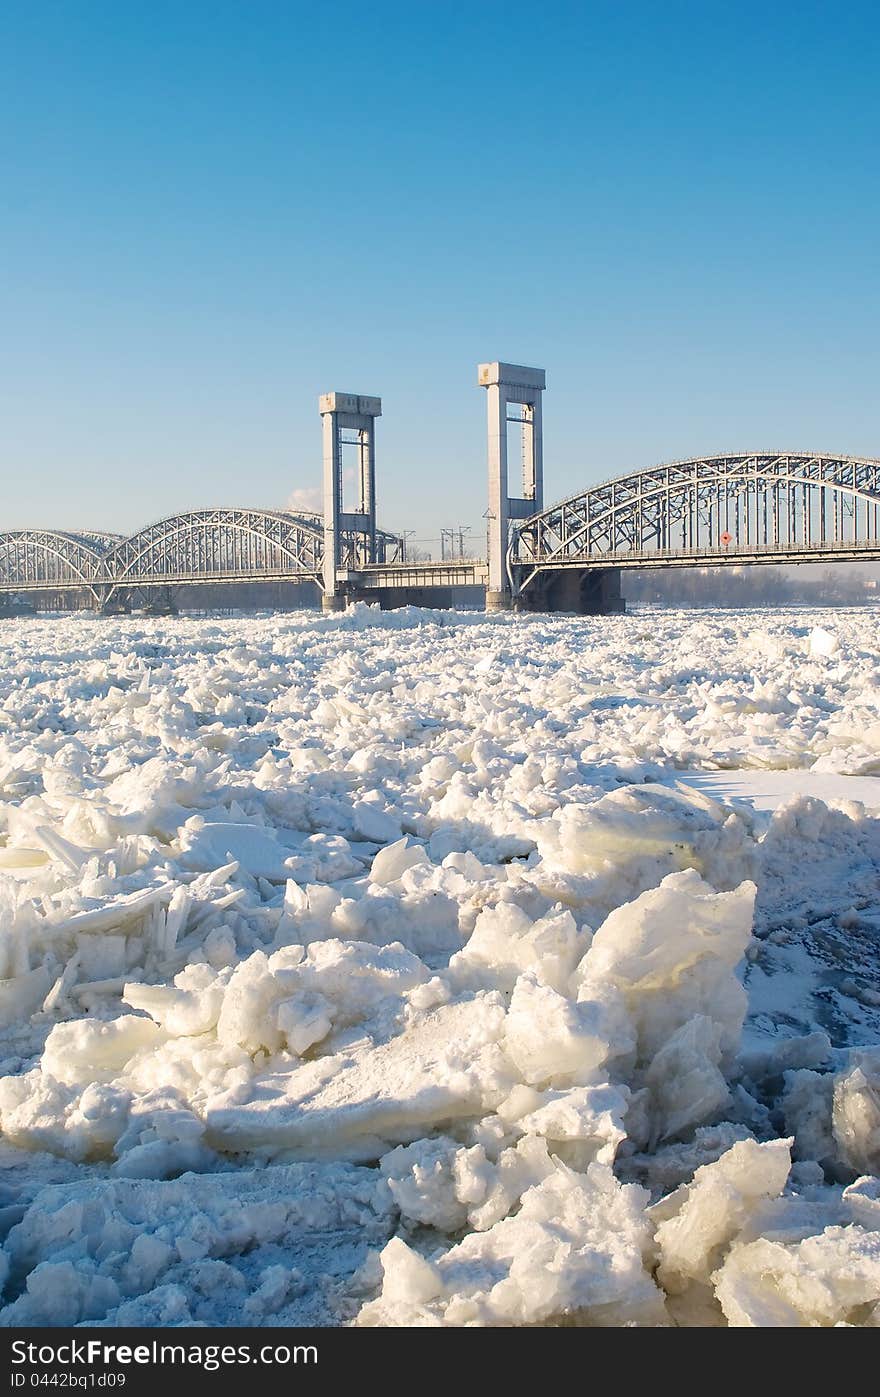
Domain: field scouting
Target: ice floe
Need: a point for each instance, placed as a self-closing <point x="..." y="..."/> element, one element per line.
<point x="382" y="969"/>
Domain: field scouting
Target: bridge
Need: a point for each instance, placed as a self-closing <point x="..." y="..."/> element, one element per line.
<point x="200" y="547"/>
<point x="716" y="510"/>
<point x="733" y="508"/>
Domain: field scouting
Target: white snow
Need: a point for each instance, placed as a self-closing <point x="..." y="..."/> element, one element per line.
<point x="767" y="790"/>
<point x="429" y="968"/>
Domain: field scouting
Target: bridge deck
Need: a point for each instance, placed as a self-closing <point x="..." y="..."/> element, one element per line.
<point x="458" y="573"/>
<point x="474" y="572"/>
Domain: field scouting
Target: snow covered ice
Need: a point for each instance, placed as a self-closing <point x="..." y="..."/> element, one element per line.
<point x="419" y="968"/>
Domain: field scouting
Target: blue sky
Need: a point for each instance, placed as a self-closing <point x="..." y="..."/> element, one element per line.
<point x="212" y="212"/>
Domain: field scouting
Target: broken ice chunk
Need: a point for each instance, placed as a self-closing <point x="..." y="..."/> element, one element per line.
<point x="574" y="1253"/>
<point x="555" y="1041"/>
<point x="699" y="1221"/>
<point x="392" y="862"/>
<point x="92" y="1050"/>
<point x="672" y="953"/>
<point x="304" y="1019"/>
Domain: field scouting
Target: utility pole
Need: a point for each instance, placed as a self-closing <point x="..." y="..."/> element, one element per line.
<point x="452" y="542"/>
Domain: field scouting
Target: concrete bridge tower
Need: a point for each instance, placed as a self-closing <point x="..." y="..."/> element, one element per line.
<point x="349" y="536"/>
<point x="511" y="385"/>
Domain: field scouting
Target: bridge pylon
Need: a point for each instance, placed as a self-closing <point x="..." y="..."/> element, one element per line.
<point x="511" y="385"/>
<point x="349" y="536"/>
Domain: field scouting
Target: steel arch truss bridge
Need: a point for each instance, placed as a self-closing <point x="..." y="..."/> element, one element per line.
<point x="206" y="545"/>
<point x="50" y="560"/>
<point x="759" y="507"/>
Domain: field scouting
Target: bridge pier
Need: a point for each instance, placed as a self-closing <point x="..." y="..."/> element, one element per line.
<point x="586" y="592"/>
<point x="601" y="593"/>
<point x="499" y="601"/>
<point x="13" y="606"/>
<point x="112" y="601"/>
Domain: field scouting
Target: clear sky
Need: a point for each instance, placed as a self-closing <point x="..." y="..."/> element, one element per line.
<point x="214" y="211"/>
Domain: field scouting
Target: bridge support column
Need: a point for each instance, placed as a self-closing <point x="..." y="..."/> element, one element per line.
<point x="349" y="536"/>
<point x="591" y="592"/>
<point x="511" y="385"/>
<point x="498" y="601"/>
<point x="333" y="601"/>
<point x="601" y="592"/>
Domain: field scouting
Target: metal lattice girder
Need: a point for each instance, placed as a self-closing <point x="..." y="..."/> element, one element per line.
<point x="355" y="549"/>
<point x="219" y="544"/>
<point x="50" y="558"/>
<point x="204" y="545"/>
<point x="783" y="501"/>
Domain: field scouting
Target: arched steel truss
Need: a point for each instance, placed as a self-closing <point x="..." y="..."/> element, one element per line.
<point x="759" y="506"/>
<point x="46" y="559"/>
<point x="204" y="545"/>
<point x="218" y="545"/>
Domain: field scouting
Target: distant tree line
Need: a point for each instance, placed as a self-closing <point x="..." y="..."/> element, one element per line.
<point x="751" y="586"/>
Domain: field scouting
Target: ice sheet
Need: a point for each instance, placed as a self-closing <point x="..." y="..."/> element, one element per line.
<point x="767" y="790"/>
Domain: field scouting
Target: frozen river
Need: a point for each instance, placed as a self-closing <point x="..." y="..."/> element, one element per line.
<point x="429" y="968"/>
